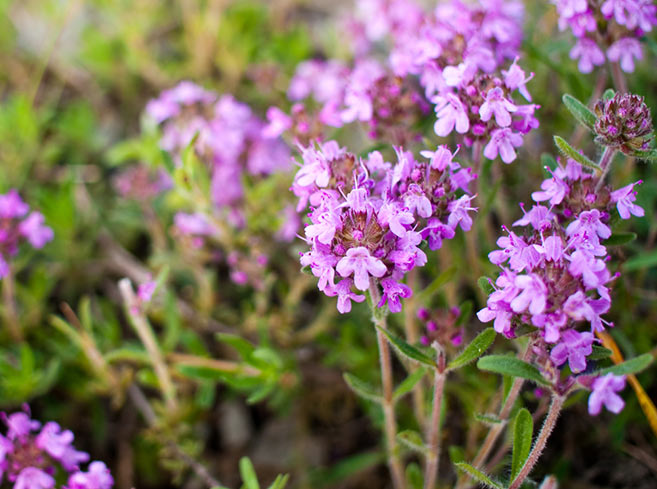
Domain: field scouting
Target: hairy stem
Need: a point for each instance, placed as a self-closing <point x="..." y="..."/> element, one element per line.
<point x="539" y="445"/>
<point x="431" y="469"/>
<point x="412" y="336"/>
<point x="605" y="164"/>
<point x="496" y="430"/>
<point x="147" y="337"/>
<point x="390" y="423"/>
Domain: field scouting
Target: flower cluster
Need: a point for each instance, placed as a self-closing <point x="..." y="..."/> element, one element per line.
<point x="33" y="456"/>
<point x="624" y="123"/>
<point x="226" y="134"/>
<point x="606" y="27"/>
<point x="369" y="217"/>
<point x="369" y="93"/>
<point x="17" y="225"/>
<point x="458" y="52"/>
<point x="554" y="277"/>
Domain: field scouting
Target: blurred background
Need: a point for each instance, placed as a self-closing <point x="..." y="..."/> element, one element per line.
<point x="75" y="77"/>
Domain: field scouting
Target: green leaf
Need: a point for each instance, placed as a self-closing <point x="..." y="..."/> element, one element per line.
<point x="523" y="429"/>
<point x="362" y="388"/>
<point x="409" y="382"/>
<point x="280" y="482"/>
<point x="413" y="440"/>
<point x="456" y="454"/>
<point x="599" y="353"/>
<point x="641" y="261"/>
<point x="488" y="419"/>
<point x="580" y="111"/>
<point x="620" y="238"/>
<point x="478" y="475"/>
<point x="631" y="366"/>
<point x="474" y="350"/>
<point x="608" y="95"/>
<point x="511" y="366"/>
<point x="248" y="474"/>
<point x="407" y="350"/>
<point x="414" y="476"/>
<point x="486" y="284"/>
<point x="243" y="347"/>
<point x="570" y="152"/>
<point x="650" y="155"/>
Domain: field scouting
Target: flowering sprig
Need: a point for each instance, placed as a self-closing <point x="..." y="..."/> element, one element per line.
<point x="368" y="217"/>
<point x="19" y="225"/>
<point x="607" y="29"/>
<point x="217" y="144"/>
<point x="34" y="456"/>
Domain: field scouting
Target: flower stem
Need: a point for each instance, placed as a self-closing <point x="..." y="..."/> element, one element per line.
<point x="431" y="469"/>
<point x="539" y="445"/>
<point x="496" y="430"/>
<point x="385" y="362"/>
<point x="605" y="165"/>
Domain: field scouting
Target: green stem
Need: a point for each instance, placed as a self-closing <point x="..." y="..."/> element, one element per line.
<point x="605" y="164"/>
<point x="385" y="362"/>
<point x="539" y="445"/>
<point x="433" y="458"/>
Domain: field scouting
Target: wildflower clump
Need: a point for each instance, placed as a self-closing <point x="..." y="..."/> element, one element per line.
<point x="35" y="456"/>
<point x="368" y="217"/>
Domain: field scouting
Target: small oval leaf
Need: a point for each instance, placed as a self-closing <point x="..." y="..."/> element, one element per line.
<point x="580" y="111"/>
<point x="474" y="350"/>
<point x="523" y="430"/>
<point x="631" y="366"/>
<point x="407" y="350"/>
<point x="511" y="366"/>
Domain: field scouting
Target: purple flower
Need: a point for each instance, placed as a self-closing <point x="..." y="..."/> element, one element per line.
<point x="574" y="347"/>
<point x="450" y="114"/>
<point x="392" y="292"/>
<point x="361" y="264"/>
<point x="33" y="478"/>
<point x="604" y="393"/>
<point x="53" y="440"/>
<point x="589" y="222"/>
<point x="458" y="210"/>
<point x="515" y="79"/>
<point x="533" y="295"/>
<point x="498" y="105"/>
<point x="502" y="142"/>
<point x="436" y="232"/>
<point x="278" y="123"/>
<point x="553" y="189"/>
<point x="12" y="206"/>
<point x="588" y="53"/>
<point x="35" y="231"/>
<point x="396" y="217"/>
<point x="625" y="50"/>
<point x="19" y="425"/>
<point x="624" y="199"/>
<point x="97" y="477"/>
